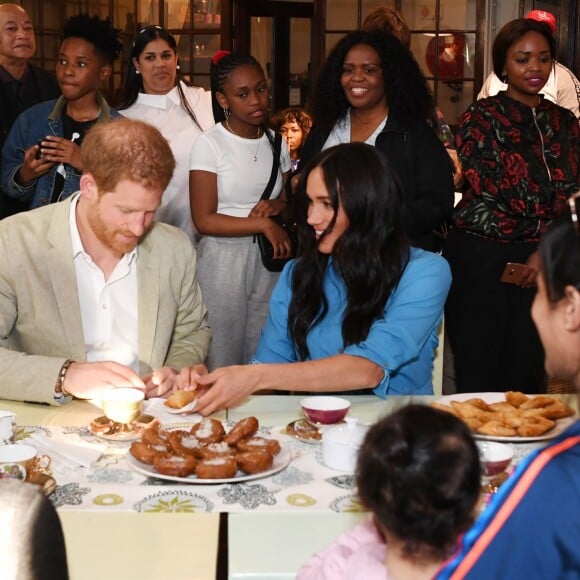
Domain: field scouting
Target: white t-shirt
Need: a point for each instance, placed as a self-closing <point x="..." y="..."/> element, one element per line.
<point x="166" y="113"/>
<point x="240" y="180"/>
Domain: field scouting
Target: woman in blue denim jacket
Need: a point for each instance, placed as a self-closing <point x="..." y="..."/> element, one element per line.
<point x="41" y="160"/>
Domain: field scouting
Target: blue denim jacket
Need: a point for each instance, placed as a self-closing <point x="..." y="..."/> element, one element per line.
<point x="30" y="127"/>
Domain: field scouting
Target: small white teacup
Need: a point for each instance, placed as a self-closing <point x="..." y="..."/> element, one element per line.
<point x="19" y="461"/>
<point x="122" y="405"/>
<point x="7" y="428"/>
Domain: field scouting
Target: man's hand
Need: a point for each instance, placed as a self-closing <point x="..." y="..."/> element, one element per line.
<point x="87" y="380"/>
<point x="160" y="383"/>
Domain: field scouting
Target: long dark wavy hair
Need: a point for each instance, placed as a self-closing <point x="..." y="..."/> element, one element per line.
<point x="371" y="254"/>
<point x="408" y="95"/>
<point x="134" y="82"/>
<point x="418" y="471"/>
<point x="221" y="69"/>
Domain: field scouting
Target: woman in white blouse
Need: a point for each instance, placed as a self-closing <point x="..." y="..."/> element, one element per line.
<point x="153" y="94"/>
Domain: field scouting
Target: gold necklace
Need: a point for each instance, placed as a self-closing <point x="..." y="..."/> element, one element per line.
<point x="255" y="154"/>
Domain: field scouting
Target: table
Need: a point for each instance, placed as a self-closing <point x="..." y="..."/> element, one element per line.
<point x="271" y="541"/>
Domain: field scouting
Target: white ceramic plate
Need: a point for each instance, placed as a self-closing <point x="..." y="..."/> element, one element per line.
<point x="280" y="462"/>
<point x="561" y="424"/>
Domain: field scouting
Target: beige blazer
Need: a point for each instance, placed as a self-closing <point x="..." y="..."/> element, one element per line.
<point x="40" y="318"/>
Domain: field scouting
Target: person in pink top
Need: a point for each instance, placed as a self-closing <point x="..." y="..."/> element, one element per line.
<point x="418" y="472"/>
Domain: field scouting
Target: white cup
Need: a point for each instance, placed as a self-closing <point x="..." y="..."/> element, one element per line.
<point x="19" y="461"/>
<point x="7" y="427"/>
<point x="122" y="405"/>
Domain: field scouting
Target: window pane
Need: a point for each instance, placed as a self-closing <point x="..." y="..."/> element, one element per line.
<point x="341" y="15"/>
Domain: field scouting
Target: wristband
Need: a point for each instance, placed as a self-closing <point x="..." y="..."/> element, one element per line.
<point x="60" y="393"/>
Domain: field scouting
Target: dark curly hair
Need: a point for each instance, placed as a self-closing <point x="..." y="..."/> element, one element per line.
<point x="371" y="254"/>
<point x="221" y="69"/>
<point x="408" y="94"/>
<point x="134" y="82"/>
<point x="511" y="33"/>
<point x="100" y="33"/>
<point x="418" y="471"/>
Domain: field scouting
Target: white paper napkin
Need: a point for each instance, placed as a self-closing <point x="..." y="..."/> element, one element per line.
<point x="67" y="455"/>
<point x="157" y="408"/>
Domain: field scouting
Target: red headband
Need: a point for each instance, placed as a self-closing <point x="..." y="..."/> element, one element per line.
<point x="219" y="55"/>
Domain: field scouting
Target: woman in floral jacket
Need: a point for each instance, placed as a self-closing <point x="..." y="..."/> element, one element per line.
<point x="520" y="155"/>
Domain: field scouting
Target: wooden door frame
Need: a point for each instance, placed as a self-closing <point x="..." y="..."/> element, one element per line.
<point x="281" y="12"/>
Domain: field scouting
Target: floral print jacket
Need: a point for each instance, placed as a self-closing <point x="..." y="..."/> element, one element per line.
<point x="520" y="165"/>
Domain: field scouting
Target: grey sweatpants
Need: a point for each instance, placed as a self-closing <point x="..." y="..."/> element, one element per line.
<point x="236" y="291"/>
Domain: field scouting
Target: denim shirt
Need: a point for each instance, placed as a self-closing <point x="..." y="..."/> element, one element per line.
<point x="30" y="127"/>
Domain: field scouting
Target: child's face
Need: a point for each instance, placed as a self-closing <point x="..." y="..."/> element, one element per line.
<point x="246" y="95"/>
<point x="79" y="69"/>
<point x="292" y="132"/>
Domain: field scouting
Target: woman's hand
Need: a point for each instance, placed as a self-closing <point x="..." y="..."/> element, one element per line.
<point x="268" y="207"/>
<point x="278" y="238"/>
<point x="529" y="278"/>
<point x="226" y="387"/>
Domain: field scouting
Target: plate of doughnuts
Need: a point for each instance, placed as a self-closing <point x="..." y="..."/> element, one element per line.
<point x="510" y="416"/>
<point x="206" y="453"/>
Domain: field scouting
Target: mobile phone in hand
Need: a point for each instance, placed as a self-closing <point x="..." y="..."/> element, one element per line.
<point x="514" y="273"/>
<point x="39" y="153"/>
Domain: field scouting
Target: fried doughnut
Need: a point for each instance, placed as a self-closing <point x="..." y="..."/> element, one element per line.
<point x="254" y="461"/>
<point x="217" y="468"/>
<point x="176" y="465"/>
<point x="243" y="429"/>
<point x="208" y="431"/>
<point x="144" y="452"/>
<point x="179" y="399"/>
<point x="515" y="398"/>
<point x="213" y="450"/>
<point x="259" y="444"/>
<point x="184" y="443"/>
<point x="497" y="429"/>
<point x="156" y="436"/>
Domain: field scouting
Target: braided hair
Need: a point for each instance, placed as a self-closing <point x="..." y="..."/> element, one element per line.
<point x="222" y="66"/>
<point x="134" y="82"/>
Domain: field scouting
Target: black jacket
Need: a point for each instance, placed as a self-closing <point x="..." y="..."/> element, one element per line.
<point x="424" y="169"/>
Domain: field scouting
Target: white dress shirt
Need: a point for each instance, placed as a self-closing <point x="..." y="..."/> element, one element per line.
<point x="167" y="114"/>
<point x="109" y="308"/>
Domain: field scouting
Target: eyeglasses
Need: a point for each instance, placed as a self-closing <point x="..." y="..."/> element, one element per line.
<point x="574" y="211"/>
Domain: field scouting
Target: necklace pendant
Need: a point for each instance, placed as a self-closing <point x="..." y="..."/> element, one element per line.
<point x="254" y="158"/>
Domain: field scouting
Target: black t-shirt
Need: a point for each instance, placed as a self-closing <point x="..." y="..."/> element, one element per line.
<point x="73" y="131"/>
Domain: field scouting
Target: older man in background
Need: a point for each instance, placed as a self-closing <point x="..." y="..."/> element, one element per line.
<point x="21" y="84"/>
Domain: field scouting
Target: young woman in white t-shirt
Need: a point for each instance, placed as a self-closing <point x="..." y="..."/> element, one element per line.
<point x="230" y="166"/>
<point x="153" y="93"/>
